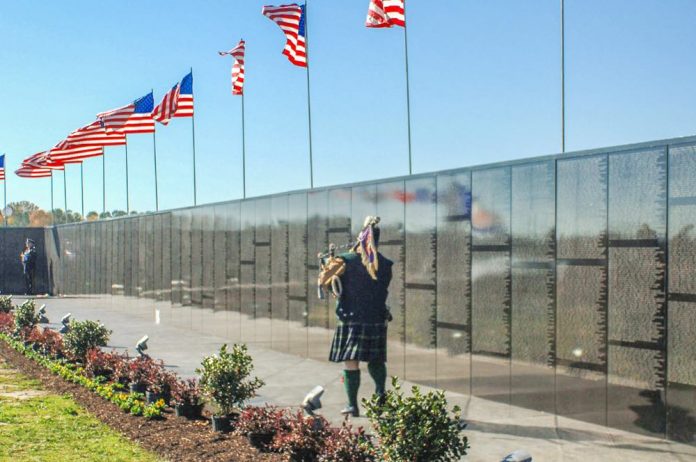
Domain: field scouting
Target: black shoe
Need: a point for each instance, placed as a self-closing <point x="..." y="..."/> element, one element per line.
<point x="351" y="410"/>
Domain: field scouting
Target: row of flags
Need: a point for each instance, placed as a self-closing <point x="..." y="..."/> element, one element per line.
<point x="111" y="129"/>
<point x="292" y="20"/>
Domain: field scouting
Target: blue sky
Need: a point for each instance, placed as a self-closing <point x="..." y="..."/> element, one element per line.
<point x="485" y="87"/>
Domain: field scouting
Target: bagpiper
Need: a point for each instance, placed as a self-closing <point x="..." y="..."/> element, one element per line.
<point x="360" y="280"/>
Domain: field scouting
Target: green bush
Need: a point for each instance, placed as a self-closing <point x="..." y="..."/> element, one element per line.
<point x="6" y="304"/>
<point x="83" y="336"/>
<point x="418" y="428"/>
<point x="225" y="378"/>
<point x="25" y="317"/>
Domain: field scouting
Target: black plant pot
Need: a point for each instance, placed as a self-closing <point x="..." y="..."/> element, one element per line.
<point x="261" y="440"/>
<point x="221" y="423"/>
<point x="135" y="387"/>
<point x="190" y="411"/>
<point x="152" y="398"/>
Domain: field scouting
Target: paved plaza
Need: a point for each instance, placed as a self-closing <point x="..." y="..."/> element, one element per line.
<point x="494" y="429"/>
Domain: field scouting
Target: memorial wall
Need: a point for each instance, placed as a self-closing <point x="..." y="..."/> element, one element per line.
<point x="565" y="284"/>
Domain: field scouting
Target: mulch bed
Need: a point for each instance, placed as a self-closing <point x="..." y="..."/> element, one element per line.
<point x="173" y="438"/>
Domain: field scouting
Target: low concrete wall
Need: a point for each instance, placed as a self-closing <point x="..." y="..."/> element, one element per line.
<point x="11" y="275"/>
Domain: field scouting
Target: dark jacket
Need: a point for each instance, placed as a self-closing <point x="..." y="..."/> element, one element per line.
<point x="29" y="260"/>
<point x="364" y="300"/>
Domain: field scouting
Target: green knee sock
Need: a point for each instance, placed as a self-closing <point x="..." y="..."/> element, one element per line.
<point x="378" y="372"/>
<point x="351" y="383"/>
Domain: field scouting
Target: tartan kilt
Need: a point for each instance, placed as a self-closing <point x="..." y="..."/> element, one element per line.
<point x="355" y="341"/>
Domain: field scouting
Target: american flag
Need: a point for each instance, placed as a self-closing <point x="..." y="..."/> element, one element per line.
<point x="133" y="118"/>
<point x="292" y="20"/>
<point x="386" y="13"/>
<point x="26" y="171"/>
<point x="165" y="110"/>
<point x="66" y="153"/>
<point x="237" y="68"/>
<point x="95" y="135"/>
<point x="41" y="160"/>
<point x="2" y="167"/>
<point x="184" y="107"/>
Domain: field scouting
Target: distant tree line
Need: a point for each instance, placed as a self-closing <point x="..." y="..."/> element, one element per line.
<point x="28" y="214"/>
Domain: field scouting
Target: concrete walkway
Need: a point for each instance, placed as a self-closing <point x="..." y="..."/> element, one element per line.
<point x="494" y="429"/>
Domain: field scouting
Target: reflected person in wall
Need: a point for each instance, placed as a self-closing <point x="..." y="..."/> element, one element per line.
<point x="361" y="331"/>
<point x="28" y="259"/>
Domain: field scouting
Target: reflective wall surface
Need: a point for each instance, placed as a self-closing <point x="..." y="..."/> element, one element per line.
<point x="564" y="284"/>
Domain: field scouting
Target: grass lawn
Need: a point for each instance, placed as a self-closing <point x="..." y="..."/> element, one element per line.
<point x="42" y="427"/>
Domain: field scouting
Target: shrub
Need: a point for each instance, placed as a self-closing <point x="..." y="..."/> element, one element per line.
<point x="84" y="336"/>
<point x="417" y="428"/>
<point x="159" y="380"/>
<point x="7" y="323"/>
<point x="186" y="392"/>
<point x="347" y="445"/>
<point x="225" y="378"/>
<point x="303" y="439"/>
<point x="5" y="304"/>
<point x="140" y="369"/>
<point x="102" y="364"/>
<point x="267" y="419"/>
<point x="49" y="342"/>
<point x="25" y="317"/>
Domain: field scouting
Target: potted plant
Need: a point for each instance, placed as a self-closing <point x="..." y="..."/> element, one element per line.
<point x="416" y="427"/>
<point x="25" y="318"/>
<point x="345" y="444"/>
<point x="303" y="438"/>
<point x="159" y="384"/>
<point x="5" y="304"/>
<point x="261" y="424"/>
<point x="139" y="371"/>
<point x="225" y="381"/>
<point x="187" y="399"/>
<point x="101" y="364"/>
<point x="6" y="323"/>
<point x="84" y="336"/>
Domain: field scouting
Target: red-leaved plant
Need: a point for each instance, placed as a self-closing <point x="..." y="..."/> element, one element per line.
<point x="6" y="322"/>
<point x="108" y="365"/>
<point x="159" y="380"/>
<point x="186" y="392"/>
<point x="267" y="419"/>
<point x="303" y="438"/>
<point x="140" y="370"/>
<point x="346" y="444"/>
<point x="48" y="342"/>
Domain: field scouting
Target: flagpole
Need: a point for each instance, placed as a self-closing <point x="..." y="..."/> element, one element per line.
<point x="309" y="106"/>
<point x="154" y="152"/>
<point x="53" y="216"/>
<point x="65" y="191"/>
<point x="104" y="183"/>
<point x="562" y="76"/>
<point x="408" y="95"/>
<point x="243" y="151"/>
<point x="193" y="140"/>
<point x="127" y="192"/>
<point x="4" y="190"/>
<point x="82" y="188"/>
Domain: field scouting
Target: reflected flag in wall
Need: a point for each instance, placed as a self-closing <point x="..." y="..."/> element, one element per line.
<point x="132" y="118"/>
<point x="386" y="13"/>
<point x="292" y="21"/>
<point x="2" y="167"/>
<point x="238" y="67"/>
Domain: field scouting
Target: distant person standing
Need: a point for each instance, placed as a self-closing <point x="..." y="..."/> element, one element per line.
<point x="28" y="258"/>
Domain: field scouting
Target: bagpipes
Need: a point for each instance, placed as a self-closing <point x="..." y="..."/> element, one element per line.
<point x="331" y="268"/>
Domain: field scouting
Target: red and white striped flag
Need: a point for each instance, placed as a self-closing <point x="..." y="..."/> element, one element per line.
<point x="133" y="118"/>
<point x="237" y="68"/>
<point x="386" y="13"/>
<point x="27" y="171"/>
<point x="292" y="21"/>
<point x="178" y="102"/>
<point x="65" y="153"/>
<point x="41" y="160"/>
<point x="95" y="135"/>
<point x="2" y="167"/>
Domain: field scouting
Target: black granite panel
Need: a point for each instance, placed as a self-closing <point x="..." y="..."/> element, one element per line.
<point x="297" y="278"/>
<point x="248" y="271"/>
<point x="279" y="273"/>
